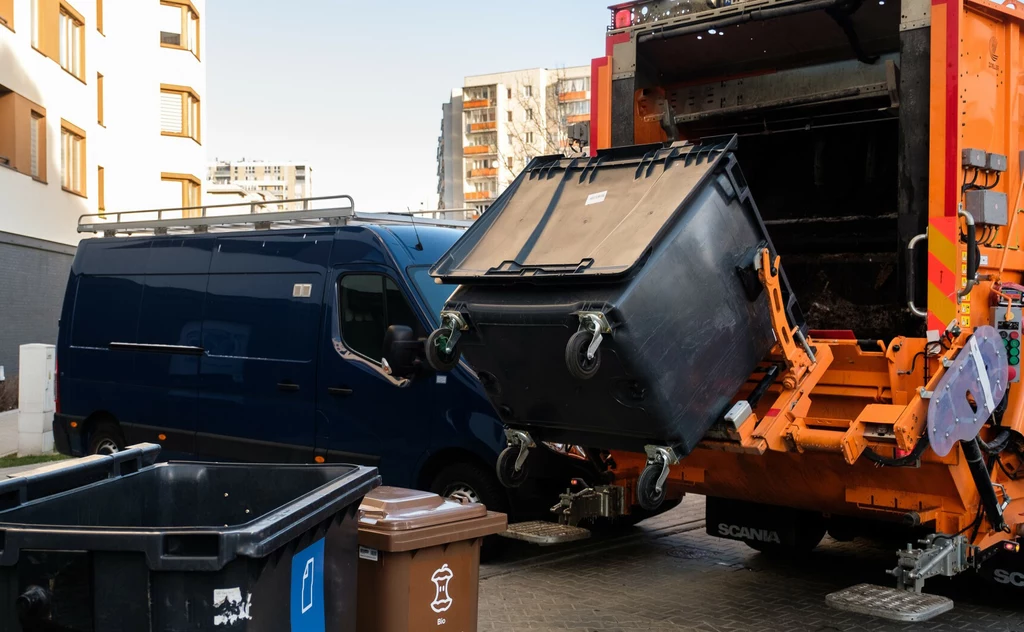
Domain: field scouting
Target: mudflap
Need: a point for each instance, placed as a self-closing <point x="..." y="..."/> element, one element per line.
<point x="1003" y="564"/>
<point x="761" y="525"/>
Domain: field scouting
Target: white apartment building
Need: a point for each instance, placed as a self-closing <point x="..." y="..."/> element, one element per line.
<point x="495" y="124"/>
<point x="263" y="179"/>
<point x="101" y="109"/>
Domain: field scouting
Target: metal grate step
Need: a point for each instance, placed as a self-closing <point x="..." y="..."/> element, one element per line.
<point x="889" y="603"/>
<point x="545" y="533"/>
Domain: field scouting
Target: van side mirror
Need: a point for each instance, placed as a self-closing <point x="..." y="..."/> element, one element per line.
<point x="401" y="348"/>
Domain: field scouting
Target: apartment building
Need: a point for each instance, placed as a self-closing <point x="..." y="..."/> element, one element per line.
<point x="101" y="108"/>
<point x="495" y="124"/>
<point x="270" y="180"/>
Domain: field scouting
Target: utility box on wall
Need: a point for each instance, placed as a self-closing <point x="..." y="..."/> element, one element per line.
<point x="36" y="398"/>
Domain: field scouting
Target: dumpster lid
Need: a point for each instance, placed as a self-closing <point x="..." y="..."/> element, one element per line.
<point x="398" y="509"/>
<point x="578" y="217"/>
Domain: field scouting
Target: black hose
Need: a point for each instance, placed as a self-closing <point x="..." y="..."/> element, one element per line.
<point x="979" y="472"/>
<point x="997" y="445"/>
<point x="903" y="461"/>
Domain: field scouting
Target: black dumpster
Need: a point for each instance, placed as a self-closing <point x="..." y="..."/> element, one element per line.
<point x="653" y="248"/>
<point x="119" y="544"/>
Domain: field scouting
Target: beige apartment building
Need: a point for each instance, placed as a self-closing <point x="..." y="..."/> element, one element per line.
<point x="495" y="124"/>
<point x="266" y="179"/>
<point x="102" y="105"/>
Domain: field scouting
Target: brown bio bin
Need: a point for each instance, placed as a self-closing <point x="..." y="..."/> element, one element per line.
<point x="419" y="561"/>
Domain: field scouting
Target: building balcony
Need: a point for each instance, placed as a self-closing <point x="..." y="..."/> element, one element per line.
<point x="476" y="104"/>
<point x="483" y="173"/>
<point x="474" y="196"/>
<point x="485" y="126"/>
<point x="566" y="97"/>
<point x="577" y="118"/>
<point x="476" y="150"/>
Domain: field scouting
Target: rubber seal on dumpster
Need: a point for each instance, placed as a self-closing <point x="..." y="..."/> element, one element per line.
<point x="307" y="599"/>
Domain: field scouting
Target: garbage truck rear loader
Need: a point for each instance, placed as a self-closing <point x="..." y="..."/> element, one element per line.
<point x="882" y="142"/>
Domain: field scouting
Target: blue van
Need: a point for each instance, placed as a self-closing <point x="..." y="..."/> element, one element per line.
<point x="283" y="345"/>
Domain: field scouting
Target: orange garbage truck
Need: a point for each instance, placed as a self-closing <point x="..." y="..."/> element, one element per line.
<point x="843" y="355"/>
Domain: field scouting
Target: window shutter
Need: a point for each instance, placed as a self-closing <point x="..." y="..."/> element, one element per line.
<point x="34" y="146"/>
<point x="170" y="112"/>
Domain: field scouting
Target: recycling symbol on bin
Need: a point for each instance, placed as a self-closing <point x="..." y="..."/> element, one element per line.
<point x="441" y="577"/>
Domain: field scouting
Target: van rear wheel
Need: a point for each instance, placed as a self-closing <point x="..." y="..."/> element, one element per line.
<point x="105" y="438"/>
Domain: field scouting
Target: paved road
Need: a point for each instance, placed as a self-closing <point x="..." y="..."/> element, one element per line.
<point x="669" y="575"/>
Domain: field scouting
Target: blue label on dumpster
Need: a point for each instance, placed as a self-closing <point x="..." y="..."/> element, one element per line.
<point x="308" y="589"/>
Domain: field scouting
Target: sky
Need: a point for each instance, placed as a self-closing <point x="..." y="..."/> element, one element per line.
<point x="355" y="89"/>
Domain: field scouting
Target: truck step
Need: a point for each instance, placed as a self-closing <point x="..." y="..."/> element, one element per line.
<point x="889" y="603"/>
<point x="545" y="533"/>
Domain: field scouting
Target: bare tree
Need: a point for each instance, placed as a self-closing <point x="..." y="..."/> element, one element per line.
<point x="543" y="128"/>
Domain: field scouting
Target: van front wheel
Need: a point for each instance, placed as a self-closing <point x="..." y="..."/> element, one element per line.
<point x="105" y="438"/>
<point x="465" y="480"/>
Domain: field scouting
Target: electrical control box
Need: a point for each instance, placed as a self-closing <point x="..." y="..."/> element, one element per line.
<point x="996" y="162"/>
<point x="987" y="207"/>
<point x="1010" y="330"/>
<point x="976" y="158"/>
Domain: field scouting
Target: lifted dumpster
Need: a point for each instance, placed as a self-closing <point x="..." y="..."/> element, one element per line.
<point x="615" y="301"/>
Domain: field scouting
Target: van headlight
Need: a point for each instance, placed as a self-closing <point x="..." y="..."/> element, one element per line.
<point x="572" y="451"/>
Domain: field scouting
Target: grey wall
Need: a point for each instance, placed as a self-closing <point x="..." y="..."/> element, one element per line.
<point x="33" y="277"/>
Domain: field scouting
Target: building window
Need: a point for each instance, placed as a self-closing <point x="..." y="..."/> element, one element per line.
<point x="7" y="13"/>
<point x="529" y="137"/>
<point x="510" y="116"/>
<point x="179" y="26"/>
<point x="529" y="115"/>
<point x="510" y="93"/>
<point x="22" y="135"/>
<point x="179" y="112"/>
<point x="191" y="190"/>
<point x="99" y="99"/>
<point x="99" y="16"/>
<point x="370" y="303"/>
<point x="101" y="189"/>
<point x="71" y="30"/>
<point x="527" y="91"/>
<point x="509" y="161"/>
<point x="72" y="158"/>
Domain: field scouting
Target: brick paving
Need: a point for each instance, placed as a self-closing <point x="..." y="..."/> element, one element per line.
<point x="669" y="575"/>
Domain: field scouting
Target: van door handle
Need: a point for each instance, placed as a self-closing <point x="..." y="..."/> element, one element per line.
<point x="340" y="392"/>
<point x="287" y="386"/>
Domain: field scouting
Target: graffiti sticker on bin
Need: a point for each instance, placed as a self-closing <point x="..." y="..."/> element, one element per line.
<point x="307" y="599"/>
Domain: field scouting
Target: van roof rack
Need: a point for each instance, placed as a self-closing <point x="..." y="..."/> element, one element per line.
<point x="332" y="210"/>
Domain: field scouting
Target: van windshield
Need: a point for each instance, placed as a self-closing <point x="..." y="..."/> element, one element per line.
<point x="435" y="295"/>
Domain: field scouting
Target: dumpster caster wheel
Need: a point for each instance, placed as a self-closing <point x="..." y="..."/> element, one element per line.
<point x="581" y="362"/>
<point x="437" y="357"/>
<point x="647" y="493"/>
<point x="508" y="475"/>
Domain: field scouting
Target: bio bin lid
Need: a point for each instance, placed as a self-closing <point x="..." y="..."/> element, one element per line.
<point x="395" y="519"/>
<point x="398" y="509"/>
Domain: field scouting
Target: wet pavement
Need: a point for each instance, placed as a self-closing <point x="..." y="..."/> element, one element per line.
<point x="668" y="574"/>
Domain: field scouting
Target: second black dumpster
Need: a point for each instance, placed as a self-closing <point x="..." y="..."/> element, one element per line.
<point x="119" y="544"/>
